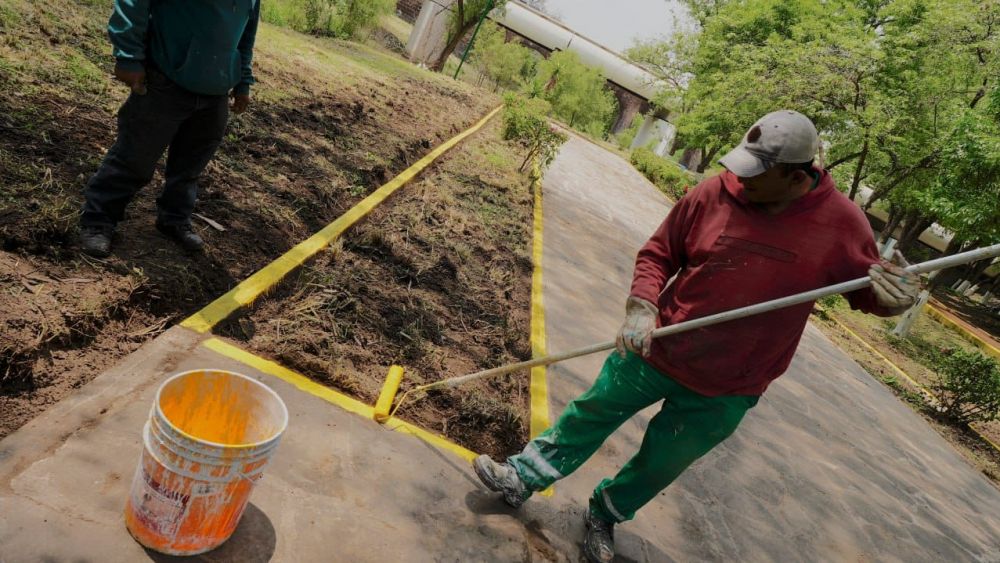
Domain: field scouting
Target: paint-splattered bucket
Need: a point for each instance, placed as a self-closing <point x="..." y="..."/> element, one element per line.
<point x="209" y="436"/>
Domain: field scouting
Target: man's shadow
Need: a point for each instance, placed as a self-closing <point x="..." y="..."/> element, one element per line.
<point x="629" y="547"/>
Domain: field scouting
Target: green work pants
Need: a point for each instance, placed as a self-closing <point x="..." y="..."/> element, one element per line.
<point x="686" y="428"/>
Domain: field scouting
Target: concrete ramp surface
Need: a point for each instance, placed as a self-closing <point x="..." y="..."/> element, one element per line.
<point x="830" y="466"/>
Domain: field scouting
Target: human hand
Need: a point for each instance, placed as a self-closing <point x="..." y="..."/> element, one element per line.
<point x="136" y="80"/>
<point x="241" y="102"/>
<point x="640" y="321"/>
<point x="894" y="287"/>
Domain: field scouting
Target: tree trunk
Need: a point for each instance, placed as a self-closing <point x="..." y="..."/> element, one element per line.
<point x="527" y="158"/>
<point x="912" y="229"/>
<point x="449" y="47"/>
<point x="707" y="159"/>
<point x="687" y="157"/>
<point x="677" y="145"/>
<point x="856" y="182"/>
<point x="992" y="290"/>
<point x="878" y="194"/>
<point x="895" y="216"/>
<point x="977" y="269"/>
<point x="954" y="245"/>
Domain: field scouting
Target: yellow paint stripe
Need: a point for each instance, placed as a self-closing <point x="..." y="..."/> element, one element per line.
<point x="539" y="387"/>
<point x="329" y="395"/>
<point x="964" y="332"/>
<point x="889" y="362"/>
<point x="899" y="370"/>
<point x="302" y="382"/>
<point x="267" y="277"/>
<point x="431" y="438"/>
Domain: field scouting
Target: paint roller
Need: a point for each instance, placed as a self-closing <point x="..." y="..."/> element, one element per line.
<point x="384" y="410"/>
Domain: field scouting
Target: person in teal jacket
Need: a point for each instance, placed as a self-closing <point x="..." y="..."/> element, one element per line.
<point x="183" y="60"/>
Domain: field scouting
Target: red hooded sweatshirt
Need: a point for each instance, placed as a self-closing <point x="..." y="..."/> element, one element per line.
<point x="727" y="253"/>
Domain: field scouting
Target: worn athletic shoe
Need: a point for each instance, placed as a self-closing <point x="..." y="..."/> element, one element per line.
<point x="502" y="478"/>
<point x="599" y="543"/>
<point x="182" y="235"/>
<point x="96" y="240"/>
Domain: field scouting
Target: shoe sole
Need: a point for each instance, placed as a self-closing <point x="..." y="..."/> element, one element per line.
<point x="587" y="549"/>
<point x="484" y="476"/>
<point x="485" y="479"/>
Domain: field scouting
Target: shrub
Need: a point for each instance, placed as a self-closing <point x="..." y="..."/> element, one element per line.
<point x="665" y="174"/>
<point x="625" y="138"/>
<point x="830" y="301"/>
<point x="969" y="389"/>
<point x="578" y="93"/>
<point x="524" y="122"/>
<point x="342" y="18"/>
<point x="354" y="18"/>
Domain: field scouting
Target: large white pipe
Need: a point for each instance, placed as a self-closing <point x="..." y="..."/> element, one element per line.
<point x="774" y="304"/>
<point x="553" y="35"/>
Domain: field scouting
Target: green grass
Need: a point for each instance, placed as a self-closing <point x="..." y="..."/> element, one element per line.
<point x="397" y="26"/>
<point x="8" y="17"/>
<point x="924" y="344"/>
<point x="83" y="74"/>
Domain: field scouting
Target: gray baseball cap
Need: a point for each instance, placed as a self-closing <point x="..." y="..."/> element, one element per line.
<point x="783" y="136"/>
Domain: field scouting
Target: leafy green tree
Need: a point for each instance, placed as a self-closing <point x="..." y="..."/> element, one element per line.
<point x="887" y="82"/>
<point x="506" y="65"/>
<point x="671" y="60"/>
<point x="342" y="18"/>
<point x="465" y="14"/>
<point x="354" y="18"/>
<point x="578" y="93"/>
<point x="525" y="122"/>
<point x="970" y="387"/>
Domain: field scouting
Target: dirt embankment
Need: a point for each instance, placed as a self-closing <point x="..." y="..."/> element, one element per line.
<point x="330" y="122"/>
<point x="438" y="280"/>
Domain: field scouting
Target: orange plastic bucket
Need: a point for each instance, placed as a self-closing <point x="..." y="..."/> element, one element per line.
<point x="209" y="437"/>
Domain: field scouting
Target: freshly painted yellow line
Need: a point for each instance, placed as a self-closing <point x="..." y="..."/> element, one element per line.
<point x="431" y="438"/>
<point x="264" y="279"/>
<point x="539" y="387"/>
<point x="539" y="390"/>
<point x="970" y="336"/>
<point x="930" y="396"/>
<point x="349" y="404"/>
<point x="891" y="364"/>
<point x="985" y="439"/>
<point x="302" y="382"/>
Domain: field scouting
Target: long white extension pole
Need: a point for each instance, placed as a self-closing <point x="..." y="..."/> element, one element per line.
<point x="845" y="287"/>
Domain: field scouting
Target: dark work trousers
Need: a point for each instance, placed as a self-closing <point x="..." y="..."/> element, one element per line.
<point x="191" y="125"/>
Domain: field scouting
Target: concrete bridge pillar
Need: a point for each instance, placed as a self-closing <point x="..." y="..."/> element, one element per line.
<point x="655" y="130"/>
<point x="430" y="32"/>
<point x="629" y="105"/>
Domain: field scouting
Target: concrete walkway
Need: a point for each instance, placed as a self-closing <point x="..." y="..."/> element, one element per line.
<point x="830" y="466"/>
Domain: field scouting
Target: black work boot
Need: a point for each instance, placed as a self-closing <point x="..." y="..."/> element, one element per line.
<point x="502" y="478"/>
<point x="96" y="240"/>
<point x="182" y="235"/>
<point x="599" y="543"/>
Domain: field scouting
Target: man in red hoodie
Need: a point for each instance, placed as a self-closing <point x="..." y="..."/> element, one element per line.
<point x="770" y="226"/>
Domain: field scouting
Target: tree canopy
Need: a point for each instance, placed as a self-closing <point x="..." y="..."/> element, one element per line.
<point x="904" y="93"/>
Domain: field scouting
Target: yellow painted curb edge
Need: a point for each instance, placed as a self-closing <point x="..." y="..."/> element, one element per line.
<point x="899" y="370"/>
<point x="267" y="277"/>
<point x="329" y="395"/>
<point x="963" y="332"/>
<point x="538" y="387"/>
<point x="927" y="394"/>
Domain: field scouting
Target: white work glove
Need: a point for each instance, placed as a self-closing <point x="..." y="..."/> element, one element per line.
<point x="640" y="321"/>
<point x="894" y="287"/>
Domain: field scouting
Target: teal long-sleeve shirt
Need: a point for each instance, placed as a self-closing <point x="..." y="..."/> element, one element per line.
<point x="204" y="46"/>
